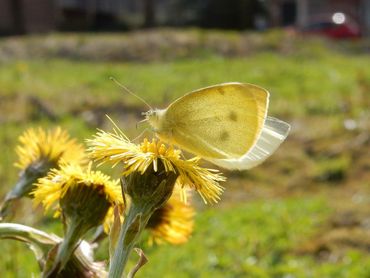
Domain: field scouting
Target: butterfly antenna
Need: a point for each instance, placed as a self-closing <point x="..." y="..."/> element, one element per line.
<point x="128" y="91"/>
<point x="140" y="135"/>
<point x="142" y="121"/>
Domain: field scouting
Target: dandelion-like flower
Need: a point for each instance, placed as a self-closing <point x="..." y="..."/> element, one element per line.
<point x="116" y="147"/>
<point x="38" y="146"/>
<point x="74" y="190"/>
<point x="173" y="222"/>
<point x="83" y="197"/>
<point x="38" y="152"/>
<point x="151" y="170"/>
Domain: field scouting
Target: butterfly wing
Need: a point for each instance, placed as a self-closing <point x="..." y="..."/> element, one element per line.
<point x="220" y="122"/>
<point x="273" y="134"/>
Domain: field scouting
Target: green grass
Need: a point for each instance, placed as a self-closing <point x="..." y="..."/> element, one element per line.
<point x="298" y="85"/>
<point x="254" y="239"/>
<point x="260" y="225"/>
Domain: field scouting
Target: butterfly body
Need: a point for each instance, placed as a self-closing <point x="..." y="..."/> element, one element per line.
<point x="221" y="123"/>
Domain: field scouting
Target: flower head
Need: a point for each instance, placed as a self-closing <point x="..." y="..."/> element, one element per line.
<point x="150" y="172"/>
<point x="53" y="146"/>
<point x="117" y="148"/>
<point x="38" y="152"/>
<point x="173" y="222"/>
<point x="83" y="197"/>
<point x="77" y="192"/>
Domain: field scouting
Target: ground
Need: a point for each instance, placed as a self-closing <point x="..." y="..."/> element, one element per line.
<point x="303" y="213"/>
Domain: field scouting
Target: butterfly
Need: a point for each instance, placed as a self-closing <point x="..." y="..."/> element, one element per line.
<point x="226" y="124"/>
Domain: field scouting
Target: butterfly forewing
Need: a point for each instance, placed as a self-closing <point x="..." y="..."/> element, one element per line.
<point x="222" y="121"/>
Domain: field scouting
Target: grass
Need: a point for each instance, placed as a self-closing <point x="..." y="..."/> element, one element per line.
<point x="305" y="81"/>
<point x="273" y="221"/>
<point x="229" y="242"/>
<point x="256" y="239"/>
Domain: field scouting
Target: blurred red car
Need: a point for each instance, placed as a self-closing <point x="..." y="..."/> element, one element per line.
<point x="337" y="25"/>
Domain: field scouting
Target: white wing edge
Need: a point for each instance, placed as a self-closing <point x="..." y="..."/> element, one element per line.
<point x="272" y="135"/>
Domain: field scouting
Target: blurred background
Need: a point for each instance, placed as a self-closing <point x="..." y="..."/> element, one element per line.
<point x="303" y="213"/>
<point x="335" y="18"/>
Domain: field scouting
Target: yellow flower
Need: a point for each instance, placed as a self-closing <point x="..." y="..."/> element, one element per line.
<point x="73" y="190"/>
<point x="117" y="148"/>
<point x="84" y="198"/>
<point x="173" y="222"/>
<point x="38" y="152"/>
<point x="53" y="146"/>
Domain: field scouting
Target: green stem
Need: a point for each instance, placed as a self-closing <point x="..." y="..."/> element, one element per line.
<point x="21" y="189"/>
<point x="131" y="229"/>
<point x="66" y="248"/>
<point x="39" y="240"/>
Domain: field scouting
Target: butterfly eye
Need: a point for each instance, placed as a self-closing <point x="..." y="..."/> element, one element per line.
<point x="147" y="113"/>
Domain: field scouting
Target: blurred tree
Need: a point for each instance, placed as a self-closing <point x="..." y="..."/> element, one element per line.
<point x="149" y="13"/>
<point x="185" y="12"/>
<point x="16" y="7"/>
<point x="223" y="14"/>
<point x="231" y="14"/>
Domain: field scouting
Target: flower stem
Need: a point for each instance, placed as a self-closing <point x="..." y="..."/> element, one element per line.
<point x="66" y="248"/>
<point x="131" y="229"/>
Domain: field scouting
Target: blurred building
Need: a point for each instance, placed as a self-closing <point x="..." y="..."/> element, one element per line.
<point x="30" y="16"/>
<point x="305" y="13"/>
<point x="34" y="16"/>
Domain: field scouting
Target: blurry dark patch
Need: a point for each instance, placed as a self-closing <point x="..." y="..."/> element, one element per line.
<point x="233" y="116"/>
<point x="224" y="136"/>
<point x="221" y="91"/>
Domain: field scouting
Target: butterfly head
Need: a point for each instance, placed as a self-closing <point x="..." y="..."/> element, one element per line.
<point x="154" y="118"/>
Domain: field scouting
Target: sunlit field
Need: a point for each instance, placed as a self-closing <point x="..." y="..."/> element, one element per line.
<point x="302" y="213"/>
